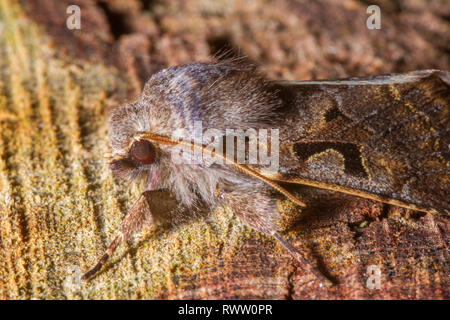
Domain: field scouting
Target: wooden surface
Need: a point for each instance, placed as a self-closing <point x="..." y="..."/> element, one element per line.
<point x="60" y="205"/>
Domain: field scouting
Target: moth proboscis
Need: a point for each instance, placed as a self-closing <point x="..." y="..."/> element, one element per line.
<point x="382" y="138"/>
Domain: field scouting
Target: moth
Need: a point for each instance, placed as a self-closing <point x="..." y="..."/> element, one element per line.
<point x="384" y="138"/>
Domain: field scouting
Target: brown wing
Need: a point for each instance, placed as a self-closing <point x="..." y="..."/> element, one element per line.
<point x="385" y="138"/>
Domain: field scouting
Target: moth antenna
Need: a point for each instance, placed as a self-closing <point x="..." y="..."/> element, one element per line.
<point x="299" y="256"/>
<point x="361" y="194"/>
<point x="238" y="166"/>
<point x="112" y="247"/>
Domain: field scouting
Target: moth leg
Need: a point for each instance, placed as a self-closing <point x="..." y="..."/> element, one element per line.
<point x="256" y="208"/>
<point x="138" y="215"/>
<point x="298" y="255"/>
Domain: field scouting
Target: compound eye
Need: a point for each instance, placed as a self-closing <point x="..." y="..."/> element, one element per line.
<point x="142" y="151"/>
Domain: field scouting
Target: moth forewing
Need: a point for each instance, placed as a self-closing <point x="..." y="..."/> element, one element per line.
<point x="381" y="138"/>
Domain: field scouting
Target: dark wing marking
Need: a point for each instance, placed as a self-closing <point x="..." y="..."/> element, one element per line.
<point x="350" y="153"/>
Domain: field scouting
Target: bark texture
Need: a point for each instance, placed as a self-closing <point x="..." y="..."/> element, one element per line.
<point x="60" y="206"/>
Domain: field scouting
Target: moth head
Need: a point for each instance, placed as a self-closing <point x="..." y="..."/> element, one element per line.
<point x="140" y="157"/>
